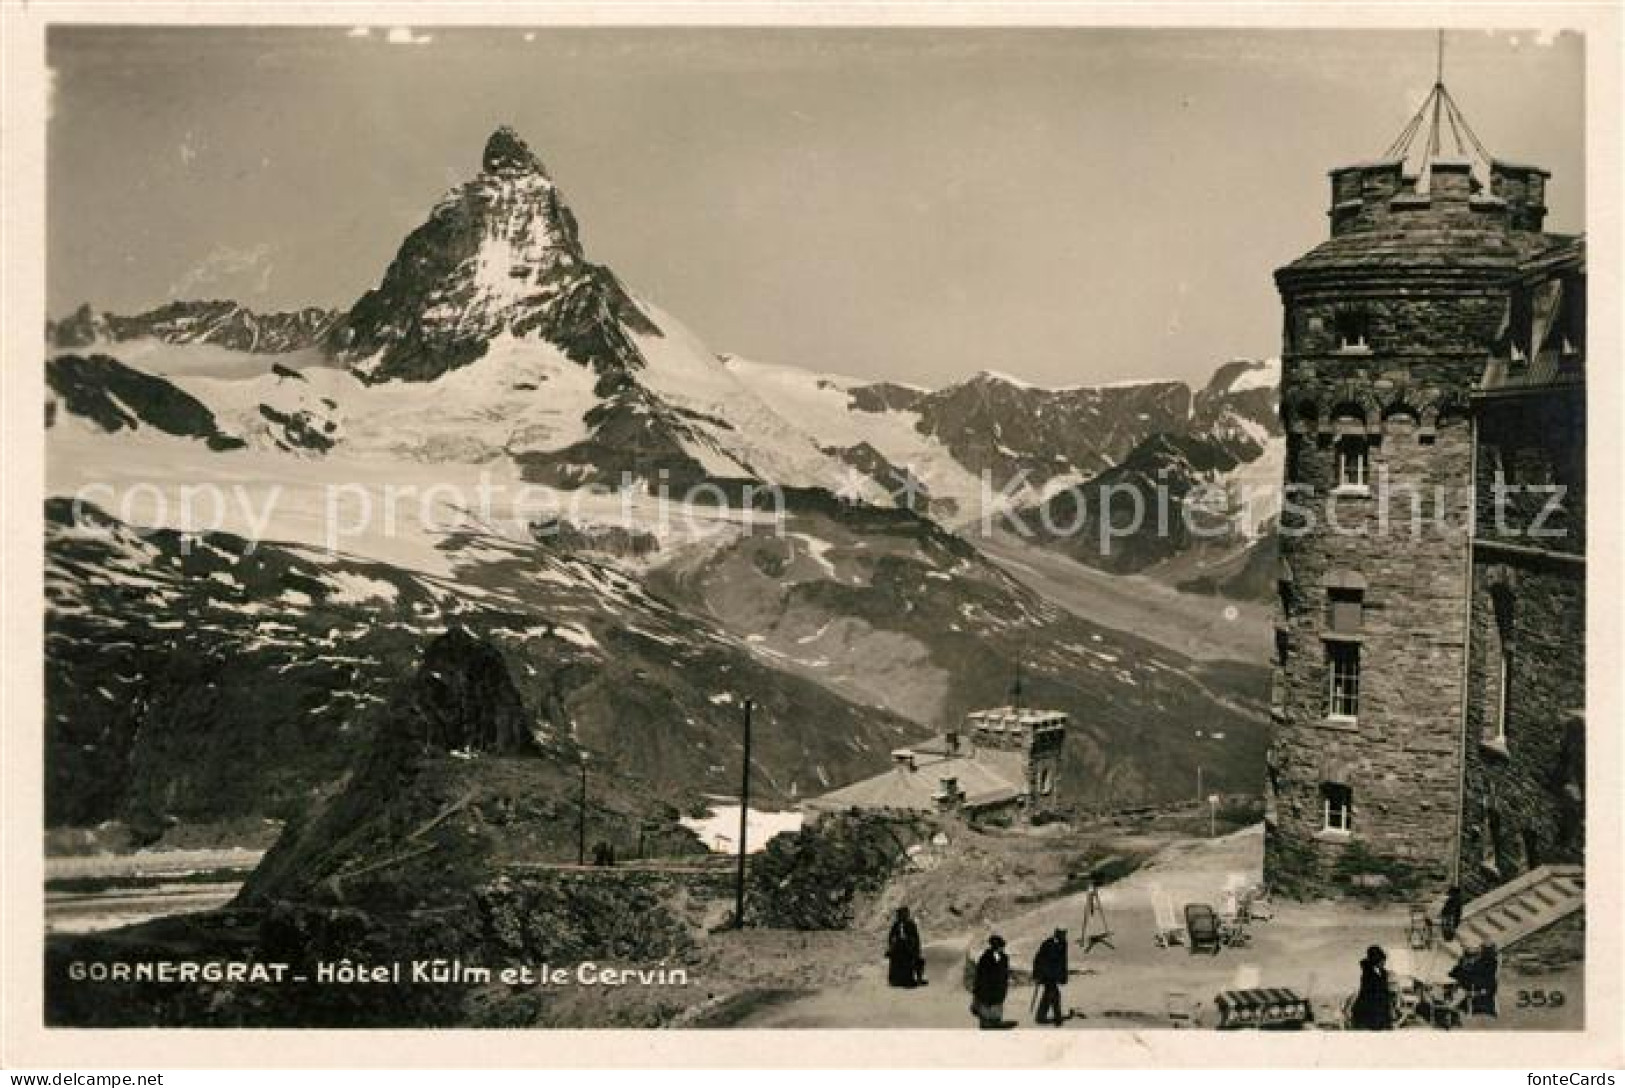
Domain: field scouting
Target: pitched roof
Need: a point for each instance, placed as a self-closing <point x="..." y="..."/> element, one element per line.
<point x="986" y="776"/>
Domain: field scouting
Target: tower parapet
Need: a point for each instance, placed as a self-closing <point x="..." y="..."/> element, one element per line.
<point x="1373" y="195"/>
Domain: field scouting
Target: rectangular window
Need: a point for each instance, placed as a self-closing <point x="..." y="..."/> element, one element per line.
<point x="1337" y="807"/>
<point x="1353" y="462"/>
<point x="1343" y="667"/>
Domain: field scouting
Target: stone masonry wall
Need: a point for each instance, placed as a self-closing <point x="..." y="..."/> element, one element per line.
<point x="1406" y="542"/>
<point x="1525" y="796"/>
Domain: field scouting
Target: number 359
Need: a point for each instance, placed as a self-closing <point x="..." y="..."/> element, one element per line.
<point x="1540" y="999"/>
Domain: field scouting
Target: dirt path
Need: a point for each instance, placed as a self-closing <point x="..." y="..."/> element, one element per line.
<point x="1313" y="949"/>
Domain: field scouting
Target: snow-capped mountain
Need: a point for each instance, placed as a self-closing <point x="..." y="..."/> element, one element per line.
<point x="1224" y="465"/>
<point x="499" y="254"/>
<point x="492" y="338"/>
<point x="494" y="355"/>
<point x="222" y="323"/>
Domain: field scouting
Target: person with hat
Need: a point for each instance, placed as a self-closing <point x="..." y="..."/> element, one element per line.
<point x="991" y="984"/>
<point x="1050" y="974"/>
<point x="1374" y="1005"/>
<point x="903" y="952"/>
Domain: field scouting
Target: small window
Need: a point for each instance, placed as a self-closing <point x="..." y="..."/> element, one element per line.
<point x="1346" y="610"/>
<point x="1337" y="808"/>
<point x="1353" y="462"/>
<point x="1343" y="669"/>
<point x="1353" y="331"/>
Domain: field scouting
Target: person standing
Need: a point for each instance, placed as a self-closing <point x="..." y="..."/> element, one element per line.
<point x="1373" y="1005"/>
<point x="1050" y="974"/>
<point x="991" y="985"/>
<point x="1450" y="915"/>
<point x="904" y="953"/>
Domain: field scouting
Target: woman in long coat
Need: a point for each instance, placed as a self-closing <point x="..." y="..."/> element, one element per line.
<point x="1373" y="1005"/>
<point x="906" y="965"/>
<point x="992" y="984"/>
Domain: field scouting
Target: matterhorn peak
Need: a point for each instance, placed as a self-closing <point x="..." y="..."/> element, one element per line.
<point x="498" y="254"/>
<point x="506" y="152"/>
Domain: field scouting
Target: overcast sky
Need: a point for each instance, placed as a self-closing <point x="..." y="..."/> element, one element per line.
<point x="1065" y="205"/>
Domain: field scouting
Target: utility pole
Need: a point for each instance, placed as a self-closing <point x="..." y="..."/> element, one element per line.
<point x="1198" y="783"/>
<point x="744" y="812"/>
<point x="581" y="816"/>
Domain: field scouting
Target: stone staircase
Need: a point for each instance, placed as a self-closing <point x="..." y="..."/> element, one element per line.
<point x="1521" y="907"/>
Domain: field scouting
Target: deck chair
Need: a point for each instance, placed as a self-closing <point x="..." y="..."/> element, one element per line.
<point x="1233" y="933"/>
<point x="1202" y="928"/>
<point x="1255" y="904"/>
<point x="1409" y="1001"/>
<point x="1419" y="935"/>
<point x="1169" y="931"/>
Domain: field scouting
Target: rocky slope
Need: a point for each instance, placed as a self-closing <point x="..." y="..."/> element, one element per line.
<point x="1193" y="497"/>
<point x="193" y="679"/>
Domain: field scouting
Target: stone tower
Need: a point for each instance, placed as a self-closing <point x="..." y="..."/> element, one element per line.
<point x="1037" y="736"/>
<point x="1388" y="326"/>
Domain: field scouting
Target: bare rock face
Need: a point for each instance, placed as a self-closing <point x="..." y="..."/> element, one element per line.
<point x="505" y="151"/>
<point x="115" y="397"/>
<point x="500" y="254"/>
<point x="463" y="700"/>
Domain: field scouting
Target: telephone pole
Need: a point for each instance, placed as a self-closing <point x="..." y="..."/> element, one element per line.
<point x="581" y="816"/>
<point x="744" y="813"/>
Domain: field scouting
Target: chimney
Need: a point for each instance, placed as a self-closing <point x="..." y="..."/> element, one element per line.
<point x="951" y="740"/>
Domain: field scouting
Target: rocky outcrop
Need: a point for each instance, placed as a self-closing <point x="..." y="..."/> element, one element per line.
<point x="463" y="699"/>
<point x="114" y="397"/>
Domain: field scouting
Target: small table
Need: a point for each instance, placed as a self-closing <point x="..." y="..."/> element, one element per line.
<point x="1264" y="1007"/>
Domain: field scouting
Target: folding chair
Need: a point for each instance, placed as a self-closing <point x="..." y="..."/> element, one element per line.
<point x="1419" y="935"/>
<point x="1169" y="931"/>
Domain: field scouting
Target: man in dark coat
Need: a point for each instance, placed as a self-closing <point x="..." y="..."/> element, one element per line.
<point x="1373" y="1005"/>
<point x="1050" y="974"/>
<point x="1450" y="915"/>
<point x="906" y="960"/>
<point x="991" y="985"/>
